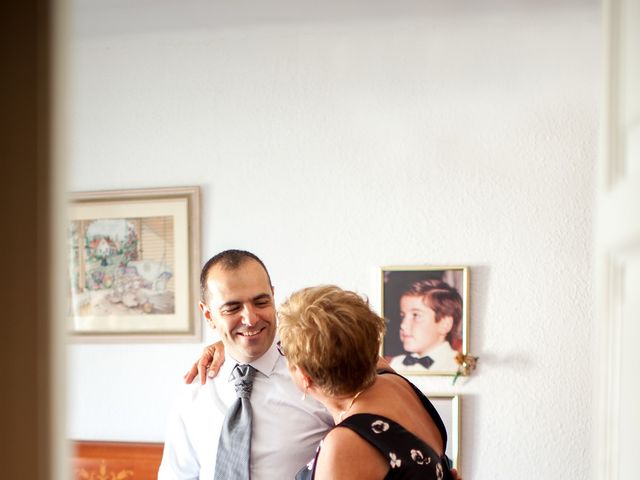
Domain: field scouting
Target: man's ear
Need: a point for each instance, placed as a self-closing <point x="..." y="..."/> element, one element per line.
<point x="206" y="312"/>
<point x="445" y="325"/>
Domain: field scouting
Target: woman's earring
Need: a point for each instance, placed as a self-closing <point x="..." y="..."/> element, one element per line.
<point x="304" y="393"/>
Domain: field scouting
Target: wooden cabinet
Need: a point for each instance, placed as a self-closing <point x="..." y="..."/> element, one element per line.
<point x="115" y="460"/>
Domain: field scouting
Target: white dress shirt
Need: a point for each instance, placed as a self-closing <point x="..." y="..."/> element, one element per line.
<point x="286" y="430"/>
<point x="443" y="356"/>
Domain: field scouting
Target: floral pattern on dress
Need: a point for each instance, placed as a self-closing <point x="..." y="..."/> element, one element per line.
<point x="439" y="472"/>
<point x="418" y="457"/>
<point x="395" y="462"/>
<point x="379" y="426"/>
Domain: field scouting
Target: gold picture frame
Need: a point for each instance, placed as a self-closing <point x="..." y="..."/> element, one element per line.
<point x="449" y="408"/>
<point x="428" y="321"/>
<point x="133" y="265"/>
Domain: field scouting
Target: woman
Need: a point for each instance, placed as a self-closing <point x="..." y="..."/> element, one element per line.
<point x="385" y="427"/>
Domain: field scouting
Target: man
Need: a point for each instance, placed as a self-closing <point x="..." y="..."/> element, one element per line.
<point x="431" y="312"/>
<point x="237" y="301"/>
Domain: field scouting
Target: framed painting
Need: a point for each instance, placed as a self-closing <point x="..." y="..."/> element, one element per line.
<point x="448" y="407"/>
<point x="427" y="313"/>
<point x="133" y="265"/>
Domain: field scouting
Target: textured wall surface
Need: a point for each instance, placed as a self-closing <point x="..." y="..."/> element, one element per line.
<point x="331" y="147"/>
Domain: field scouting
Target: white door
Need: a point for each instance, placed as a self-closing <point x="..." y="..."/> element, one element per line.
<point x="617" y="431"/>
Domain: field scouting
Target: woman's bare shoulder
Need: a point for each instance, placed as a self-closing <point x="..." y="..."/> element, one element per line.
<point x="346" y="455"/>
<point x="396" y="399"/>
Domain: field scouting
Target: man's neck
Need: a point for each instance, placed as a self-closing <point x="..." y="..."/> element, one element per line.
<point x="265" y="363"/>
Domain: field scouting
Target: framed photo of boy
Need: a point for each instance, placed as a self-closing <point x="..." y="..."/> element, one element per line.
<point x="427" y="313"/>
<point x="133" y="265"/>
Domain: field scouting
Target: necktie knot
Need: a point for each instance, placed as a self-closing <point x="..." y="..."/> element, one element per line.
<point x="426" y="362"/>
<point x="242" y="377"/>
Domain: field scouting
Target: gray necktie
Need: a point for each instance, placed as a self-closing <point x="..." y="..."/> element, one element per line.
<point x="234" y="446"/>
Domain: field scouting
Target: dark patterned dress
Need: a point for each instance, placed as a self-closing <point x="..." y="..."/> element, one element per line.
<point x="408" y="456"/>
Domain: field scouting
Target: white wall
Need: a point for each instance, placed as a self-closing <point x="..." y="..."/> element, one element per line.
<point x="436" y="135"/>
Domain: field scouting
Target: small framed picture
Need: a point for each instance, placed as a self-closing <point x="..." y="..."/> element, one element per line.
<point x="448" y="407"/>
<point x="427" y="313"/>
<point x="133" y="265"/>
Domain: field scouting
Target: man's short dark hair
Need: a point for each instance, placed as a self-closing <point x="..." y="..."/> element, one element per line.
<point x="227" y="260"/>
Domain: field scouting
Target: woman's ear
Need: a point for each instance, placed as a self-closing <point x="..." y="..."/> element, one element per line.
<point x="304" y="377"/>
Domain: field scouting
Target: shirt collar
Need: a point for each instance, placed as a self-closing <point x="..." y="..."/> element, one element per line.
<point x="266" y="364"/>
<point x="441" y="348"/>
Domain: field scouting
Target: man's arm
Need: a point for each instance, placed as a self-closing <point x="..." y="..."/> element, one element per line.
<point x="179" y="460"/>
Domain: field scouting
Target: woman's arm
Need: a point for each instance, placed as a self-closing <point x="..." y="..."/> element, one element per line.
<point x="208" y="365"/>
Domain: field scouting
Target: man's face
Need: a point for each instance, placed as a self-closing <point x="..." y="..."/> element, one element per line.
<point x="419" y="331"/>
<point x="240" y="307"/>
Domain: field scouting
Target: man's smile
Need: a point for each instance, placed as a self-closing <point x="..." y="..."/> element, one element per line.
<point x="250" y="333"/>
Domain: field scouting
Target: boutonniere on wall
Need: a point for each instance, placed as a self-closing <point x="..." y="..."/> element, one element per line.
<point x="466" y="365"/>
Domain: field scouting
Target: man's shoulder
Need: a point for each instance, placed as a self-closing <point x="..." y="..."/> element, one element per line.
<point x="279" y="390"/>
<point x="191" y="395"/>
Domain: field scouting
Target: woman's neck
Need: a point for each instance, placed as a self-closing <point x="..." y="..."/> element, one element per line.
<point x="341" y="407"/>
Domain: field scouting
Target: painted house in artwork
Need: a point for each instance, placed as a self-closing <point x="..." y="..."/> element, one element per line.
<point x="103" y="247"/>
